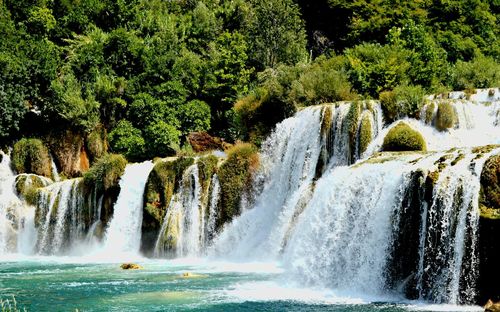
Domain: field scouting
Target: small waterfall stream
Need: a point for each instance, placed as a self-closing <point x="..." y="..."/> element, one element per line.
<point x="123" y="234"/>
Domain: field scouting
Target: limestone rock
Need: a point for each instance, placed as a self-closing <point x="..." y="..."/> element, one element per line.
<point x="130" y="266"/>
<point x="202" y="141"/>
<point x="492" y="307"/>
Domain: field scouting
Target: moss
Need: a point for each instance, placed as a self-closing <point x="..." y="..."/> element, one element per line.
<point x="429" y="112"/>
<point x="96" y="143"/>
<point x="403" y="138"/>
<point x="326" y="121"/>
<point x="235" y="178"/>
<point x="489" y="197"/>
<point x="207" y="167"/>
<point x="27" y="184"/>
<point x="31" y="156"/>
<point x="445" y="116"/>
<point x="457" y="159"/>
<point x="106" y="172"/>
<point x="352" y="123"/>
<point x="388" y="102"/>
<point x="365" y="133"/>
<point x="162" y="183"/>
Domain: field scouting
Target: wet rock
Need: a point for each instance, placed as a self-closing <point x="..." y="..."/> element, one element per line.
<point x="202" y="141"/>
<point x="130" y="266"/>
<point x="490" y="306"/>
<point x="70" y="152"/>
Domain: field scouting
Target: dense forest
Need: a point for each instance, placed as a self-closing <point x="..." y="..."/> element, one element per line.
<point x="149" y="72"/>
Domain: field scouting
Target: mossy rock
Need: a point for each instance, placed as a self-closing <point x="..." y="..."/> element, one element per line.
<point x="445" y="116"/>
<point x="429" y="112"/>
<point x="365" y="133"/>
<point x="106" y="172"/>
<point x="389" y="104"/>
<point x="403" y="138"/>
<point x="163" y="181"/>
<point x="326" y="121"/>
<point x="26" y="183"/>
<point x="97" y="143"/>
<point x="235" y="177"/>
<point x="31" y="156"/>
<point x="207" y="167"/>
<point x="489" y="197"/>
<point x="352" y="123"/>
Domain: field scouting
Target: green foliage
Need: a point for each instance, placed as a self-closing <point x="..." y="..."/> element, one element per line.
<point x="72" y="104"/>
<point x="162" y="139"/>
<point x="106" y="172"/>
<point x="402" y="137"/>
<point x="445" y="116"/>
<point x="126" y="139"/>
<point x="194" y="116"/>
<point x="403" y="101"/>
<point x="276" y="33"/>
<point x="374" y="68"/>
<point x="481" y="72"/>
<point x="97" y="142"/>
<point x="234" y="176"/>
<point x="365" y="132"/>
<point x="31" y="156"/>
<point x="207" y="167"/>
<point x="41" y="21"/>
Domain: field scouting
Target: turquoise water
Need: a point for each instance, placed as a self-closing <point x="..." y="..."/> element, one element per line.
<point x="67" y="284"/>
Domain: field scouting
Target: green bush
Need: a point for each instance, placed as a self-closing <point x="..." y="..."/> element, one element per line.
<point x="445" y="116"/>
<point x="235" y="178"/>
<point x="403" y="138"/>
<point x="31" y="156"/>
<point x="97" y="143"/>
<point x="106" y="172"/>
<point x="402" y="101"/>
<point x="481" y="72"/>
<point x="162" y="139"/>
<point x="126" y="139"/>
<point x="374" y="67"/>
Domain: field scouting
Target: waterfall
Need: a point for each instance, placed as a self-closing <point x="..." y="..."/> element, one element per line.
<point x="17" y="231"/>
<point x="292" y="158"/>
<point x="60" y="209"/>
<point x="212" y="212"/>
<point x="123" y="234"/>
<point x="182" y="229"/>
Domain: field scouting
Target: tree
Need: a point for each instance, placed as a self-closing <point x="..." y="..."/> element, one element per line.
<point x="276" y="33"/>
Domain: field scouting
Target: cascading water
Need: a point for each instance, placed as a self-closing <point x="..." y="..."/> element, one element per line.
<point x="182" y="230"/>
<point x="298" y="151"/>
<point x="123" y="234"/>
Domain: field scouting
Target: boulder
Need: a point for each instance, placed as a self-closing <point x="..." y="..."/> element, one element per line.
<point x="490" y="306"/>
<point x="202" y="142"/>
<point x="130" y="266"/>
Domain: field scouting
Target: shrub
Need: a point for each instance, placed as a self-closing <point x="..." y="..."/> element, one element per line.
<point x="481" y="72"/>
<point x="162" y="139"/>
<point x="402" y="101"/>
<point x="31" y="156"/>
<point x="445" y="116"/>
<point x="403" y="138"/>
<point x="126" y="139"/>
<point x="96" y="142"/>
<point x="235" y="177"/>
<point x="106" y="172"/>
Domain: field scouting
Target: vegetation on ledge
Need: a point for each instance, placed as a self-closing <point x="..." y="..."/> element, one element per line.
<point x="106" y="172"/>
<point x="489" y="196"/>
<point x="402" y="137"/>
<point x="235" y="179"/>
<point x="31" y="156"/>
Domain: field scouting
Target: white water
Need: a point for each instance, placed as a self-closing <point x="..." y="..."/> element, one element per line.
<point x="182" y="231"/>
<point x="123" y="234"/>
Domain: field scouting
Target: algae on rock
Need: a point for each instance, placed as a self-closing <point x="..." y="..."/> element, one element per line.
<point x="31" y="156"/>
<point x="403" y="138"/>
